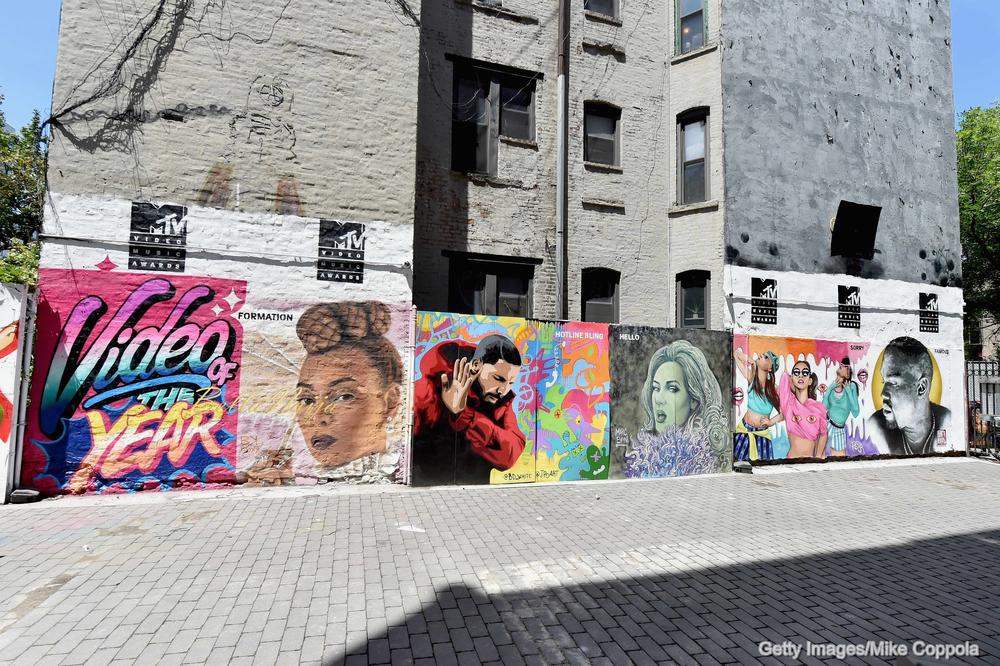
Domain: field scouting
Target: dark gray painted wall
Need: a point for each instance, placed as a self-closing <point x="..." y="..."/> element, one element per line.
<point x="849" y="99"/>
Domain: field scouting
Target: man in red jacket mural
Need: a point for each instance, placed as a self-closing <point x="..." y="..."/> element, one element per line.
<point x="464" y="424"/>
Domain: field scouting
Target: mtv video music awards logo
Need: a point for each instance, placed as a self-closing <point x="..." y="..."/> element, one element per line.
<point x="764" y="301"/>
<point x="158" y="238"/>
<point x="928" y="313"/>
<point x="341" y="252"/>
<point x="849" y="307"/>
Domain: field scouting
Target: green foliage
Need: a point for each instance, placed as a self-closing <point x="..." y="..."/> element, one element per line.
<point x="21" y="262"/>
<point x="22" y="191"/>
<point x="979" y="207"/>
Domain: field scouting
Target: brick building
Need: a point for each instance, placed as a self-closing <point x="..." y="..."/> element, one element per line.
<point x="270" y="183"/>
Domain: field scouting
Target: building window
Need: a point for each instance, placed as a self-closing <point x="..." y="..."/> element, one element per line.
<point x="692" y="166"/>
<point x="488" y="103"/>
<point x="601" y="127"/>
<point x="607" y="8"/>
<point x="691" y="25"/>
<point x="490" y="287"/>
<point x="692" y="299"/>
<point x="599" y="295"/>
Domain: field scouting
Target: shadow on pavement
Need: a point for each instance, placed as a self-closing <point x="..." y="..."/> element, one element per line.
<point x="939" y="591"/>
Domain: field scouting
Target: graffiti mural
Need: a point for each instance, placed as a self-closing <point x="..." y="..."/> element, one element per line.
<point x="799" y="398"/>
<point x="670" y="416"/>
<point x="322" y="393"/>
<point x="574" y="409"/>
<point x="135" y="382"/>
<point x="503" y="400"/>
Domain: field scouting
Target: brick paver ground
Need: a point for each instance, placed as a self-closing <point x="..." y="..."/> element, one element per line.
<point x="697" y="570"/>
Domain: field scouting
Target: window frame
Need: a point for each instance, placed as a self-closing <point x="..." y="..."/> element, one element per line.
<point x="596" y="107"/>
<point x="492" y="268"/>
<point x="692" y="279"/>
<point x="679" y="20"/>
<point x="597" y="272"/>
<point x="490" y="80"/>
<point x="615" y="10"/>
<point x="691" y="117"/>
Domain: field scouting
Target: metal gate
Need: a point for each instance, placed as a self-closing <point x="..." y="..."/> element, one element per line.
<point x="982" y="385"/>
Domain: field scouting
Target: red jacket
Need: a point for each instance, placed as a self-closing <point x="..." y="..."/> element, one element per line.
<point x="491" y="431"/>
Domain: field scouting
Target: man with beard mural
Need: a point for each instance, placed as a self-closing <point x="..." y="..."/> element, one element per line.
<point x="464" y="425"/>
<point x="908" y="423"/>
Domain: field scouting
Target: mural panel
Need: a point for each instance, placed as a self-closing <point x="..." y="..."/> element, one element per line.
<point x="798" y="398"/>
<point x="135" y="382"/>
<point x="669" y="408"/>
<point x="12" y="306"/>
<point x="322" y="393"/>
<point x="502" y="400"/>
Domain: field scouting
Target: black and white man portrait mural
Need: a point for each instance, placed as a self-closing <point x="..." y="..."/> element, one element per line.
<point x="906" y="389"/>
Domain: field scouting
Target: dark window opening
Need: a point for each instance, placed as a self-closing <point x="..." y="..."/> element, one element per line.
<point x="854" y="230"/>
<point x="692" y="299"/>
<point x="692" y="166"/>
<point x="488" y="287"/>
<point x="599" y="295"/>
<point x="601" y="130"/>
<point x="486" y="104"/>
<point x="604" y="7"/>
<point x="692" y="25"/>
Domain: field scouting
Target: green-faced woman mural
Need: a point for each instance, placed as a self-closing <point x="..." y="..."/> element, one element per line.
<point x="681" y="397"/>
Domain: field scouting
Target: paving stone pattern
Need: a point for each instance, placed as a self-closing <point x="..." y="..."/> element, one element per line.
<point x="690" y="571"/>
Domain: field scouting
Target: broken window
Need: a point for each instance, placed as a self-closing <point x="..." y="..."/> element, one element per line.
<point x="599" y="295"/>
<point x="692" y="299"/>
<point x="490" y="286"/>
<point x="691" y="26"/>
<point x="601" y="130"/>
<point x="488" y="103"/>
<point x="692" y="167"/>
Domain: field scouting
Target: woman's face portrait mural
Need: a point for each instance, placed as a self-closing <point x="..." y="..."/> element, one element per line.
<point x="667" y="409"/>
<point x="350" y="382"/>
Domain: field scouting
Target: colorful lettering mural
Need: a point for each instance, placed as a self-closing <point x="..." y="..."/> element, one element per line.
<point x="504" y="400"/>
<point x="798" y="398"/>
<point x="669" y="413"/>
<point x="135" y="382"/>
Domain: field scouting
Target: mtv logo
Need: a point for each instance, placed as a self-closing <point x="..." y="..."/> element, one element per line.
<point x="929" y="302"/>
<point x="336" y="235"/>
<point x="850" y="295"/>
<point x="764" y="288"/>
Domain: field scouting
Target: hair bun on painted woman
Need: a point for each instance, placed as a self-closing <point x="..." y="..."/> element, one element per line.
<point x="327" y="325"/>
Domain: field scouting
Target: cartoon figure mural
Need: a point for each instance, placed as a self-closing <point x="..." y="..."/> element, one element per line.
<point x="667" y="402"/>
<point x="837" y="399"/>
<point x="804" y="416"/>
<point x="135" y="382"/>
<point x="502" y="400"/>
<point x="841" y="403"/>
<point x="752" y="439"/>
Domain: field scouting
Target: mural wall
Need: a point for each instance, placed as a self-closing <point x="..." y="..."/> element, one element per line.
<point x="500" y="400"/>
<point x="185" y="347"/>
<point x="831" y="366"/>
<point x="12" y="309"/>
<point x="797" y="398"/>
<point x="669" y="402"/>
